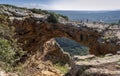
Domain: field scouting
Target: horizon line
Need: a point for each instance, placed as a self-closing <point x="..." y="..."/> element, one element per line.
<point x="86" y="10"/>
<point x="66" y="9"/>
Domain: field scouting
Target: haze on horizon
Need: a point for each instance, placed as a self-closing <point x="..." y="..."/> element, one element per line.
<point x="91" y="5"/>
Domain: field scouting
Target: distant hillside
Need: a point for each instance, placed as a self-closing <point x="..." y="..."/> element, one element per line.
<point x="98" y="16"/>
<point x="72" y="47"/>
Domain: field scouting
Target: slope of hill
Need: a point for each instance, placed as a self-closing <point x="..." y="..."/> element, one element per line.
<point x="97" y="16"/>
<point x="28" y="47"/>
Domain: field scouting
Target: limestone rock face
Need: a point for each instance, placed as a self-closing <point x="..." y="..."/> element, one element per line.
<point x="14" y="11"/>
<point x="97" y="66"/>
<point x="101" y="72"/>
<point x="33" y="35"/>
<point x="54" y="53"/>
<point x="33" y="30"/>
<point x="36" y="36"/>
<point x="3" y="73"/>
<point x="43" y="65"/>
<point x="40" y="68"/>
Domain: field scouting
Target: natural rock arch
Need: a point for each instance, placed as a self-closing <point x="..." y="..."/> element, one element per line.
<point x="33" y="34"/>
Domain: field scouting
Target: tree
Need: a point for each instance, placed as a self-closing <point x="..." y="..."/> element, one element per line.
<point x="52" y="18"/>
<point x="119" y="22"/>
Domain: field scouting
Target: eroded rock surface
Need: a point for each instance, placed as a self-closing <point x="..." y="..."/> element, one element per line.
<point x="4" y="73"/>
<point x="54" y="53"/>
<point x="98" y="66"/>
<point x="30" y="33"/>
<point x="35" y="34"/>
<point x="33" y="31"/>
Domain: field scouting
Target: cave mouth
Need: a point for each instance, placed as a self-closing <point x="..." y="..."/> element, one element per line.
<point x="72" y="47"/>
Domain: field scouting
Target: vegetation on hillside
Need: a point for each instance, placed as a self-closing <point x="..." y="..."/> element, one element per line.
<point x="72" y="47"/>
<point x="63" y="68"/>
<point x="53" y="16"/>
<point x="39" y="11"/>
<point x="9" y="5"/>
<point x="117" y="23"/>
<point x="13" y="6"/>
<point x="10" y="51"/>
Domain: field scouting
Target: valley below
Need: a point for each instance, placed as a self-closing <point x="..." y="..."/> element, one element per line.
<point x="35" y="42"/>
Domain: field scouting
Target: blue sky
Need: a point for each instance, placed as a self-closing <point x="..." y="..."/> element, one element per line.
<point x="67" y="4"/>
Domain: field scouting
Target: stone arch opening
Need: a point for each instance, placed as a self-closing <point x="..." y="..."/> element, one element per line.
<point x="72" y="47"/>
<point x="39" y="33"/>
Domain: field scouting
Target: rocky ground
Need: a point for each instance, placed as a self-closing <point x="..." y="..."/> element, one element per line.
<point x="32" y="50"/>
<point x="110" y="33"/>
<point x="91" y="65"/>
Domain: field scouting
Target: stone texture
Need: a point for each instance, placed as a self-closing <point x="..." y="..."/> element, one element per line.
<point x="100" y="72"/>
<point x="33" y="29"/>
<point x="3" y="73"/>
<point x="98" y="66"/>
<point x="34" y="35"/>
<point x="78" y="58"/>
<point x="43" y="65"/>
<point x="54" y="53"/>
<point x="36" y="38"/>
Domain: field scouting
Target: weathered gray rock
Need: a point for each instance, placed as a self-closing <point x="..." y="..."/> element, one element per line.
<point x="100" y="72"/>
<point x="118" y="52"/>
<point x="109" y="54"/>
<point x="35" y="38"/>
<point x="98" y="66"/>
<point x="76" y="57"/>
<point x="54" y="53"/>
<point x="3" y="73"/>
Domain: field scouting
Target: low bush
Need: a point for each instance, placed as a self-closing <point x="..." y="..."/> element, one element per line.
<point x="38" y="11"/>
<point x="63" y="68"/>
<point x="53" y="18"/>
<point x="8" y="53"/>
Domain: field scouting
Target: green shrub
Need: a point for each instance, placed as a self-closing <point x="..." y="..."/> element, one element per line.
<point x="119" y="22"/>
<point x="13" y="6"/>
<point x="8" y="5"/>
<point x="53" y="18"/>
<point x="8" y="52"/>
<point x="62" y="68"/>
<point x="2" y="18"/>
<point x="72" y="47"/>
<point x="53" y="15"/>
<point x="65" y="17"/>
<point x="38" y="11"/>
<point x="116" y="23"/>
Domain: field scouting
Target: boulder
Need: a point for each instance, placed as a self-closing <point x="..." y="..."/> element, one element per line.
<point x="76" y="57"/>
<point x="118" y="52"/>
<point x="54" y="53"/>
<point x="100" y="72"/>
<point x="4" y="73"/>
<point x="98" y="66"/>
<point x="109" y="54"/>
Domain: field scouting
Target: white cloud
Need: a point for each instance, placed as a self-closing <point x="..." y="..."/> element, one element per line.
<point x="76" y="5"/>
<point x="37" y="5"/>
<point x="86" y="4"/>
